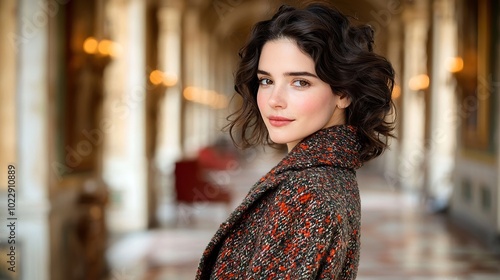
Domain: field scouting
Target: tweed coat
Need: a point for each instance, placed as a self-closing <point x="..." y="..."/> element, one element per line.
<point x="300" y="221"/>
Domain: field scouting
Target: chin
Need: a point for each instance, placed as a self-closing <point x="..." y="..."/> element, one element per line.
<point x="279" y="140"/>
<point x="282" y="140"/>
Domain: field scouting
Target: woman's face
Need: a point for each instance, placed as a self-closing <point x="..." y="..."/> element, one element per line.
<point x="292" y="100"/>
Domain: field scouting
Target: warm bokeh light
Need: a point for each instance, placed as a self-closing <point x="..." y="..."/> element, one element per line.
<point x="396" y="92"/>
<point x="156" y="77"/>
<point x="115" y="49"/>
<point x="170" y="79"/>
<point x="90" y="45"/>
<point x="455" y="64"/>
<point x="206" y="97"/>
<point x="419" y="82"/>
<point x="105" y="47"/>
<point x="189" y="93"/>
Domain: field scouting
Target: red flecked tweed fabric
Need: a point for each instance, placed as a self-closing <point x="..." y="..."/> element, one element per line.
<point x="300" y="221"/>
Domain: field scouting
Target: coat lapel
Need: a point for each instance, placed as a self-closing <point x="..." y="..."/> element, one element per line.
<point x="267" y="183"/>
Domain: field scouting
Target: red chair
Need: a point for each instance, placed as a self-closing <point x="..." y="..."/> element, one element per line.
<point x="191" y="187"/>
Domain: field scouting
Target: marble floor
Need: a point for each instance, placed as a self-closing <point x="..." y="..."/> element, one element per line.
<point x="399" y="239"/>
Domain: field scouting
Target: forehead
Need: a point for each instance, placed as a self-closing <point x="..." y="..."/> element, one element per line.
<point x="284" y="54"/>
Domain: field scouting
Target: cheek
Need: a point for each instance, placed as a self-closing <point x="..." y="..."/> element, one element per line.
<point x="260" y="101"/>
<point x="317" y="105"/>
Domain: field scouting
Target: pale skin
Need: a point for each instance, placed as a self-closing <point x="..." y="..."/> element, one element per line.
<point x="293" y="101"/>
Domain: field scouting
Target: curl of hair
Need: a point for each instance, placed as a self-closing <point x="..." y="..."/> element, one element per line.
<point x="344" y="58"/>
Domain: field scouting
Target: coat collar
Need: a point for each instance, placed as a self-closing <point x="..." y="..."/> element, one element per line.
<point x="336" y="146"/>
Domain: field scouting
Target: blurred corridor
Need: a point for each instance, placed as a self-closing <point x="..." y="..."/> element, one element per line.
<point x="103" y="101"/>
<point x="400" y="239"/>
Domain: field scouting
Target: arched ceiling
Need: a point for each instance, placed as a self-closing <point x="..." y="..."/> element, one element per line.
<point x="231" y="20"/>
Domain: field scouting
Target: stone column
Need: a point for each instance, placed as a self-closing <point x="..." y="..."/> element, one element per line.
<point x="8" y="51"/>
<point x="443" y="123"/>
<point x="192" y="59"/>
<point x="169" y="148"/>
<point x="206" y="112"/>
<point x="199" y="62"/>
<point x="389" y="160"/>
<point x="496" y="87"/>
<point x="413" y="151"/>
<point x="169" y="55"/>
<point x="32" y="240"/>
<point x="125" y="164"/>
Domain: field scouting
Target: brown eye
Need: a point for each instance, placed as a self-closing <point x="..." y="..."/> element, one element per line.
<point x="301" y="83"/>
<point x="265" y="82"/>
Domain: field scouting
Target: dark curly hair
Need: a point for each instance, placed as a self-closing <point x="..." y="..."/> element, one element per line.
<point x="344" y="58"/>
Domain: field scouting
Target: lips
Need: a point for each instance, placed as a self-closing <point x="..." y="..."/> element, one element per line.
<point x="279" y="121"/>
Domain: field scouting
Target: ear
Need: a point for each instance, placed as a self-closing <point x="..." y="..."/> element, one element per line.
<point x="343" y="102"/>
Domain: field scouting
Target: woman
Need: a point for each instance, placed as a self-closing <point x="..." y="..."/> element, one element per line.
<point x="309" y="79"/>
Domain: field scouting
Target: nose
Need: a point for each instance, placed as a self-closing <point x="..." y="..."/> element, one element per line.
<point x="277" y="99"/>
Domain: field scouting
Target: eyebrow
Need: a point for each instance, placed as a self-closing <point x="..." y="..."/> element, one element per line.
<point x="304" y="73"/>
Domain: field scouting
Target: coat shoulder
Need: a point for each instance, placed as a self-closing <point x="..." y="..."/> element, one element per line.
<point x="332" y="188"/>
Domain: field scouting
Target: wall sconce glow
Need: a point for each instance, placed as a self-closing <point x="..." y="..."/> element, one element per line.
<point x="115" y="49"/>
<point x="455" y="64"/>
<point x="396" y="92"/>
<point x="90" y="45"/>
<point x="156" y="77"/>
<point x="105" y="47"/>
<point x="190" y="93"/>
<point x="167" y="79"/>
<point x="419" y="82"/>
<point x="206" y="97"/>
<point x="170" y="79"/>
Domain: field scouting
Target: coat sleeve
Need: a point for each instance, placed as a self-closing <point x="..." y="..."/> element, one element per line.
<point x="303" y="237"/>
